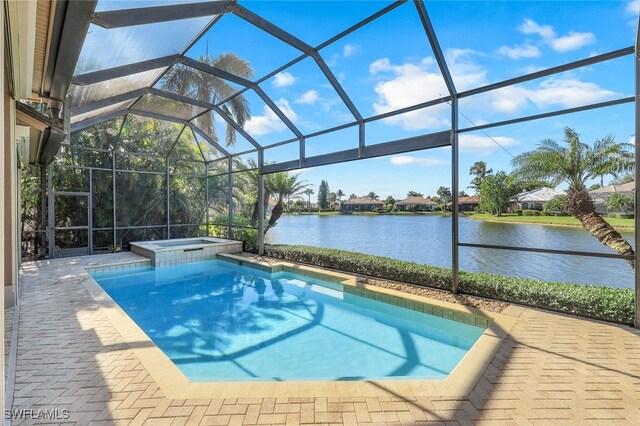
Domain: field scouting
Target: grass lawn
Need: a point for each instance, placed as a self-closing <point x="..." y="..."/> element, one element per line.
<point x="551" y="220"/>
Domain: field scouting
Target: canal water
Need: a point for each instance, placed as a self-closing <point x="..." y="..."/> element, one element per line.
<point x="427" y="240"/>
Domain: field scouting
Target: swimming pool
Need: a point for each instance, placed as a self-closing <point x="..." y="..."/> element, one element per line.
<point x="218" y="321"/>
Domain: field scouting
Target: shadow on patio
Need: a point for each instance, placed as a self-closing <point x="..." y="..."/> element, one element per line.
<point x="549" y="368"/>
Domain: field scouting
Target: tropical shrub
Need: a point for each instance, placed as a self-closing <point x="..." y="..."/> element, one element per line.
<point x="620" y="201"/>
<point x="242" y="230"/>
<point x="496" y="192"/>
<point x="530" y="212"/>
<point x="556" y="205"/>
<point x="607" y="303"/>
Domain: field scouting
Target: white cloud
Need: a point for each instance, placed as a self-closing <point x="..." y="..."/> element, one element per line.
<point x="464" y="71"/>
<point x="508" y="99"/>
<point x="632" y="140"/>
<point x="572" y="41"/>
<point x="350" y="50"/>
<point x="309" y="97"/>
<point x="633" y="7"/>
<point x="380" y="65"/>
<point x="562" y="92"/>
<point x="284" y="79"/>
<point x="568" y="93"/>
<point x="530" y="69"/>
<point x="531" y="27"/>
<point x="409" y="84"/>
<point x="408" y="160"/>
<point x="483" y="145"/>
<point x="520" y="52"/>
<point x="268" y="121"/>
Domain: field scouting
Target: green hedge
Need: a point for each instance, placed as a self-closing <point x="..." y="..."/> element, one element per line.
<point x="611" y="304"/>
<point x="241" y="231"/>
<point x="531" y="213"/>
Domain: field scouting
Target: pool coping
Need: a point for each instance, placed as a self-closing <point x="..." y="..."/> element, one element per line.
<point x="175" y="384"/>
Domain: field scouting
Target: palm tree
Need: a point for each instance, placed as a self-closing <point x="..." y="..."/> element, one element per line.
<point x="309" y="192"/>
<point x="353" y="196"/>
<point x="333" y="197"/>
<point x="373" y="196"/>
<point x="574" y="163"/>
<point x="619" y="201"/>
<point x="187" y="81"/>
<point x="479" y="171"/>
<point x="282" y="186"/>
<point x="340" y="194"/>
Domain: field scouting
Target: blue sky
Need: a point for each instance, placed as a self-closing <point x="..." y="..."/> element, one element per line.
<point x="388" y="64"/>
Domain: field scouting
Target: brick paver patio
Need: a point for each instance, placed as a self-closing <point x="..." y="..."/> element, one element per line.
<point x="551" y="369"/>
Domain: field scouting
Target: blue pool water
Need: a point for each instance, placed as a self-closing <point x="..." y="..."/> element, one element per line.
<point x="218" y="321"/>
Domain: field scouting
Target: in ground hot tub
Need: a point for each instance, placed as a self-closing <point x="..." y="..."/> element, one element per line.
<point x="184" y="250"/>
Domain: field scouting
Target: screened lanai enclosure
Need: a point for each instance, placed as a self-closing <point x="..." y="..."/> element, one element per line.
<point x="175" y="117"/>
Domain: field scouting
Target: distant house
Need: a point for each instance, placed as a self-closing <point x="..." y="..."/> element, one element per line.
<point x="270" y="205"/>
<point x="535" y="199"/>
<point x="361" y="204"/>
<point x="601" y="196"/>
<point x="466" y="204"/>
<point x="416" y="203"/>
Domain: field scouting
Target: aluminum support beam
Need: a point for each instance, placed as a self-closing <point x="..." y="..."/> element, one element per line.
<point x="455" y="184"/>
<point x="90" y="214"/>
<point x="74" y="31"/>
<point x="268" y="27"/>
<point x="435" y="47"/>
<point x="332" y="40"/>
<point x="43" y="209"/>
<point x="151" y="15"/>
<point x="51" y="220"/>
<point x="550" y="251"/>
<point x="206" y="195"/>
<point x="168" y="201"/>
<point x="206" y="137"/>
<point x="260" y="203"/>
<point x="362" y="23"/>
<point x="433" y="140"/>
<point x="637" y="184"/>
<point x="175" y="142"/>
<point x="106" y="102"/>
<point x="185" y="60"/>
<point x="230" y="195"/>
<point x="76" y="127"/>
<point x="446" y="74"/>
<point x="124" y="70"/>
<point x="114" y="195"/>
<point x="295" y="42"/>
<point x="550" y="114"/>
<point x="337" y="87"/>
<point x="210" y="106"/>
<point x="361" y="139"/>
<point x="281" y="115"/>
<point x="157" y="116"/>
<point x="550" y="71"/>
